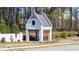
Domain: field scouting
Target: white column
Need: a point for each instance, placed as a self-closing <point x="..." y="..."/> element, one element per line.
<point x="41" y="35"/>
<point x="27" y="35"/>
<point x="20" y="36"/>
<point x="50" y="35"/>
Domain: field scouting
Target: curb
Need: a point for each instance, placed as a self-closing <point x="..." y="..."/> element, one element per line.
<point x="38" y="46"/>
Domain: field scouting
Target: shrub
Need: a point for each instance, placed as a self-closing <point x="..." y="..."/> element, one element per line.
<point x="63" y="34"/>
<point x="56" y="34"/>
<point x="18" y="40"/>
<point x="3" y="40"/>
<point x="77" y="34"/>
<point x="69" y="33"/>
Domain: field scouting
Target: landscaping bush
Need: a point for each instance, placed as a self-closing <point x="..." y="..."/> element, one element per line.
<point x="64" y="34"/>
<point x="18" y="40"/>
<point x="77" y="34"/>
<point x="3" y="40"/>
<point x="56" y="34"/>
<point x="69" y="33"/>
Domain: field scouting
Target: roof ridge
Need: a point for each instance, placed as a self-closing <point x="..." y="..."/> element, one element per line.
<point x="37" y="17"/>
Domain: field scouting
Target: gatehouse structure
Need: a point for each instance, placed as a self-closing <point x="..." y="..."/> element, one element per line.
<point x="39" y="27"/>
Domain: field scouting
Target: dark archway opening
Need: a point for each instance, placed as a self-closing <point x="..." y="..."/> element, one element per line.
<point x="32" y="38"/>
<point x="33" y="35"/>
<point x="24" y="38"/>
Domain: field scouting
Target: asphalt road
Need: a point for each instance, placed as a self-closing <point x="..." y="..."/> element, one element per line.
<point x="58" y="48"/>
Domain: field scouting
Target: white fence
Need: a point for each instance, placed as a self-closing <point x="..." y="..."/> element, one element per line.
<point x="11" y="37"/>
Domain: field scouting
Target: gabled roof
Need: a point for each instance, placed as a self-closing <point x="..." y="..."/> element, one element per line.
<point x="43" y="19"/>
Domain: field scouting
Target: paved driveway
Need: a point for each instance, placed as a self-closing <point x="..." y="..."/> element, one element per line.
<point x="58" y="48"/>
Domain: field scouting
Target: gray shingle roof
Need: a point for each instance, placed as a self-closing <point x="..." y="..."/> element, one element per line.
<point x="43" y="19"/>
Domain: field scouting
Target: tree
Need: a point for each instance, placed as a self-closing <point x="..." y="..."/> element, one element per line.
<point x="54" y="13"/>
<point x="75" y="14"/>
<point x="1" y="13"/>
<point x="3" y="27"/>
<point x="71" y="22"/>
<point x="15" y="28"/>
